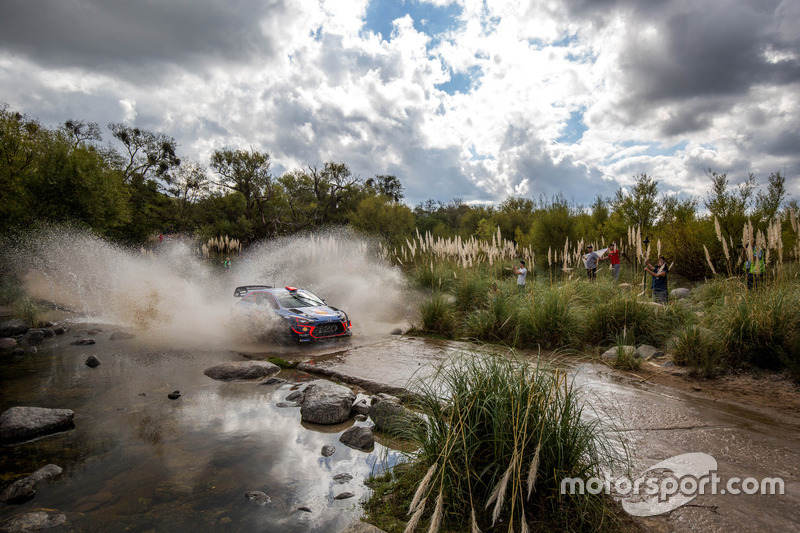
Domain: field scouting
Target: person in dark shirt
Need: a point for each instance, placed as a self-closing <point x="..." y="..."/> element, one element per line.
<point x="659" y="274"/>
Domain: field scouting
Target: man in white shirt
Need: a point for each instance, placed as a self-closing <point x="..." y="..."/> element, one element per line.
<point x="521" y="273"/>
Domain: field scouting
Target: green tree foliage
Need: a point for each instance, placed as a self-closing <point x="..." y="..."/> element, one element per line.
<point x="385" y="185"/>
<point x="246" y="172"/>
<point x="46" y="175"/>
<point x="378" y="215"/>
<point x="640" y="206"/>
<point x="768" y="204"/>
<point x="147" y="155"/>
<point x="730" y="207"/>
<point x="554" y="223"/>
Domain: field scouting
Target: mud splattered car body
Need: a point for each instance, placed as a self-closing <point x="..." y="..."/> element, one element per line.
<point x="301" y="315"/>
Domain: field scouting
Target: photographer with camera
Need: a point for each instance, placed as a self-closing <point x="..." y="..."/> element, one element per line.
<point x="659" y="274"/>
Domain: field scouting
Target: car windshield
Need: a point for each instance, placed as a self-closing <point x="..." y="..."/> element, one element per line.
<point x="299" y="299"/>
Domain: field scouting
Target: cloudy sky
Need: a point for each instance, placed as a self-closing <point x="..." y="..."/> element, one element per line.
<point x="474" y="99"/>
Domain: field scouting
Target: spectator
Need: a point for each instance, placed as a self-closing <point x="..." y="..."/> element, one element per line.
<point x="521" y="273"/>
<point x="613" y="257"/>
<point x="590" y="260"/>
<point x="659" y="274"/>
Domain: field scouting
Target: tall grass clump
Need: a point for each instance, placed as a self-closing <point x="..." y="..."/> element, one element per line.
<point x="498" y="437"/>
<point x="497" y="322"/>
<point x="550" y="322"/>
<point x="621" y="314"/>
<point x="761" y="327"/>
<point x="625" y="357"/>
<point x="700" y="349"/>
<point x="28" y="310"/>
<point x="438" y="315"/>
<point x="471" y="290"/>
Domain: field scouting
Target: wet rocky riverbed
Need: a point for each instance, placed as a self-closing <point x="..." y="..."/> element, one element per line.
<point x="224" y="456"/>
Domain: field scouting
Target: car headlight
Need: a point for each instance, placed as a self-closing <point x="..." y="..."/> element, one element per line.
<point x="302" y="320"/>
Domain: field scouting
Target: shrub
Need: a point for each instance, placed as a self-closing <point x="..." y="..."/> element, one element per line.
<point x="620" y="314"/>
<point x="499" y="436"/>
<point x="28" y="310"/>
<point x="700" y="349"/>
<point x="438" y="316"/>
<point x="551" y="321"/>
<point x="471" y="291"/>
<point x="761" y="327"/>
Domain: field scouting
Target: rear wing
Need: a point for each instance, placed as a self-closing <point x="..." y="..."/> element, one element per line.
<point x="241" y="291"/>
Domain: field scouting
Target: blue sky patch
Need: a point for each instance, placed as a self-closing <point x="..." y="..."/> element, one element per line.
<point x="429" y="19"/>
<point x="461" y="82"/>
<point x="575" y="128"/>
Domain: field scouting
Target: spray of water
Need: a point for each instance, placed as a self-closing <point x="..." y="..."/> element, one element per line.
<point x="170" y="292"/>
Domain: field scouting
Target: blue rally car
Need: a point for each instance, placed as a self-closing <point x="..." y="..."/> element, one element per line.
<point x="307" y="316"/>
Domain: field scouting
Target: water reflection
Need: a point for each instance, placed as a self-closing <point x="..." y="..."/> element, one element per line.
<point x="138" y="461"/>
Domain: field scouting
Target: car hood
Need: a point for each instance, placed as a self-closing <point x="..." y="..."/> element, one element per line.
<point x="319" y="312"/>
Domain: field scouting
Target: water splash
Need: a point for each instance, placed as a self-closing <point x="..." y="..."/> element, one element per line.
<point x="171" y="292"/>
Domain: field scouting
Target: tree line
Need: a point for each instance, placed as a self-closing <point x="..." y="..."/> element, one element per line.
<point x="139" y="186"/>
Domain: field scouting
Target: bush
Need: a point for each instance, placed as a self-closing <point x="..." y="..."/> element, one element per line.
<point x="438" y="316"/>
<point x="551" y="321"/>
<point x="700" y="349"/>
<point x="622" y="314"/>
<point x="761" y="327"/>
<point x="500" y="435"/>
<point x="471" y="291"/>
<point x="28" y="310"/>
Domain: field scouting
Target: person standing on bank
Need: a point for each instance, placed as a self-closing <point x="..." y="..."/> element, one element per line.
<point x="613" y="257"/>
<point x="590" y="261"/>
<point x="521" y="273"/>
<point x="659" y="274"/>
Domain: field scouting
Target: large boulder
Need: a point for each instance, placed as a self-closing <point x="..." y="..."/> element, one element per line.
<point x="611" y="353"/>
<point x="33" y="337"/>
<point x="647" y="352"/>
<point x="35" y="521"/>
<point x="15" y="326"/>
<point x="24" y="489"/>
<point x="19" y="424"/>
<point x="326" y="403"/>
<point x="7" y="344"/>
<point x="358" y="437"/>
<point x="679" y="293"/>
<point x="242" y="370"/>
<point x="390" y="416"/>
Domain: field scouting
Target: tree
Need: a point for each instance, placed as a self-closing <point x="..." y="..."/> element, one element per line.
<point x="729" y="207"/>
<point x="148" y="155"/>
<point x="81" y="132"/>
<point x="248" y="173"/>
<point x="385" y="185"/>
<point x="319" y="196"/>
<point x="189" y="184"/>
<point x="769" y="204"/>
<point x="379" y="215"/>
<point x="639" y="207"/>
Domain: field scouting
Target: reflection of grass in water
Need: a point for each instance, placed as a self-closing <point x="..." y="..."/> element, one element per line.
<point x="499" y="437"/>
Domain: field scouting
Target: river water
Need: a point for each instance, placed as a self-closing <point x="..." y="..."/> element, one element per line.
<point x="138" y="461"/>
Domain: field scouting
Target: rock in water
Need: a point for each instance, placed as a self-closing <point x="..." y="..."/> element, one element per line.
<point x="342" y="478"/>
<point x="19" y="424"/>
<point x="24" y="489"/>
<point x="326" y="403"/>
<point x="15" y="326"/>
<point x="257" y="496"/>
<point x="35" y="521"/>
<point x="242" y="370"/>
<point x="358" y="437"/>
<point x="328" y="450"/>
<point x="343" y="496"/>
<point x="92" y="361"/>
<point x="174" y="395"/>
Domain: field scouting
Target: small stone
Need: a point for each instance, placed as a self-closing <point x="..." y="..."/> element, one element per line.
<point x="295" y="396"/>
<point x="343" y="496"/>
<point x="358" y="437"/>
<point x="84" y="342"/>
<point x="284" y="405"/>
<point x="59" y="330"/>
<point x="697" y="388"/>
<point x="304" y="509"/>
<point x="174" y="395"/>
<point x="33" y="350"/>
<point x="342" y="478"/>
<point x="396" y="331"/>
<point x="142" y="394"/>
<point x="92" y="361"/>
<point x="35" y="521"/>
<point x="360" y="418"/>
<point x="273" y="381"/>
<point x="257" y="496"/>
<point x="328" y="450"/>
<point x="17" y="351"/>
<point x="667" y="364"/>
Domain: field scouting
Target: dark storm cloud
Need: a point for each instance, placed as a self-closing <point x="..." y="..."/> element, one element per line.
<point x="698" y="52"/>
<point x="119" y="34"/>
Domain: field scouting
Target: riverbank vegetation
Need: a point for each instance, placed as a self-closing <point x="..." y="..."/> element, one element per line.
<point x="499" y="436"/>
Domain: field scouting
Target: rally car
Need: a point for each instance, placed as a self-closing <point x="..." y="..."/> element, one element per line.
<point x="297" y="314"/>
